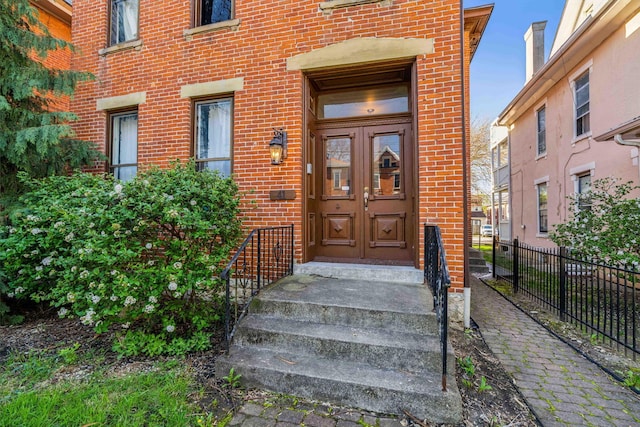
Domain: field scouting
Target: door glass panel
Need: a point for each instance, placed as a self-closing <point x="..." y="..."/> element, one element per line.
<point x="386" y="165"/>
<point x="338" y="167"/>
<point x="364" y="102"/>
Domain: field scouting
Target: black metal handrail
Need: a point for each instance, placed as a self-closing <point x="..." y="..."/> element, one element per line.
<point x="603" y="300"/>
<point x="265" y="256"/>
<point x="436" y="275"/>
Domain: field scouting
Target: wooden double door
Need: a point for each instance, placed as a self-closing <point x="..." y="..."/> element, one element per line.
<point x="364" y="206"/>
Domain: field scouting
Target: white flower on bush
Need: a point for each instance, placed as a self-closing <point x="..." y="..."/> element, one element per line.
<point x="62" y="312"/>
<point x="87" y="319"/>
<point x="69" y="237"/>
<point x="12" y="230"/>
<point x="32" y="218"/>
<point x="35" y="231"/>
<point x="113" y="298"/>
<point x="95" y="299"/>
<point x="114" y="272"/>
<point x="149" y="308"/>
<point x="35" y="252"/>
<point x="173" y="286"/>
<point x="58" y="224"/>
<point x="153" y="299"/>
<point x="38" y="268"/>
<point x="193" y="202"/>
<point x="125" y="325"/>
<point x="84" y="274"/>
<point x="118" y="188"/>
<point x="151" y="262"/>
<point x="177" y="294"/>
<point x="74" y="269"/>
<point x="19" y="290"/>
<point x="146" y="182"/>
<point x="169" y="197"/>
<point x="177" y="265"/>
<point x="173" y="213"/>
<point x="10" y="294"/>
<point x="47" y="260"/>
<point x="148" y="246"/>
<point x="129" y="300"/>
<point x="71" y="297"/>
<point x="170" y="328"/>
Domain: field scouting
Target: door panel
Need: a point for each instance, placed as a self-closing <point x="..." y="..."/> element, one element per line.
<point x="365" y="178"/>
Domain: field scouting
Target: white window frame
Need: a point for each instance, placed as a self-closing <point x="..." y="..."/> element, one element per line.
<point x="587" y="169"/>
<point x="537" y="185"/>
<point x="542" y="107"/>
<point x="202" y="163"/>
<point x="580" y="72"/>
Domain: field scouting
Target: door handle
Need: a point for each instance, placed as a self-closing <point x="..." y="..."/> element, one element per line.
<point x="366" y="198"/>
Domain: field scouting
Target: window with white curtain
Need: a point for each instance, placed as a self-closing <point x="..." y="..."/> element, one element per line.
<point x="124" y="21"/>
<point x="212" y="11"/>
<point x="123" y="156"/>
<point x="213" y="135"/>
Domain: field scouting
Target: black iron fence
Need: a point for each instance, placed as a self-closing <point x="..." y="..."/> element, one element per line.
<point x="436" y="275"/>
<point x="603" y="300"/>
<point x="264" y="257"/>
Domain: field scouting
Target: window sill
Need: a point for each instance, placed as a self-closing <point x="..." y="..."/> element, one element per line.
<point x="582" y="137"/>
<point x="328" y="6"/>
<point x="542" y="235"/>
<point x="232" y="24"/>
<point x="541" y="156"/>
<point x="133" y="44"/>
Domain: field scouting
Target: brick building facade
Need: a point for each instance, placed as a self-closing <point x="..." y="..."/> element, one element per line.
<point x="345" y="79"/>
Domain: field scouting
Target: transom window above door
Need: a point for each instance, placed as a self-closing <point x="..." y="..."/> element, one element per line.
<point x="364" y="102"/>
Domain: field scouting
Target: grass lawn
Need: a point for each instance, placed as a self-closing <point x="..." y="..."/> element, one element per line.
<point x="53" y="389"/>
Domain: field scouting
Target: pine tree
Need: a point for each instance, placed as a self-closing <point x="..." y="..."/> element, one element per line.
<point x="34" y="138"/>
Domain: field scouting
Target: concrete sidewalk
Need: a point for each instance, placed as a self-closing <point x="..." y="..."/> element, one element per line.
<point x="560" y="386"/>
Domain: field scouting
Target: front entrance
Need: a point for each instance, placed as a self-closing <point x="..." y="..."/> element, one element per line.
<point x="365" y="207"/>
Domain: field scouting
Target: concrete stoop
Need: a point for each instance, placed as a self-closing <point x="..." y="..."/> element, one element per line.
<point x="477" y="264"/>
<point x="360" y="343"/>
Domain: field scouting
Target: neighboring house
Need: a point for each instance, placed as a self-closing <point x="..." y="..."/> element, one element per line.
<point x="55" y="15"/>
<point x="562" y="124"/>
<point x="500" y="207"/>
<point x="372" y="95"/>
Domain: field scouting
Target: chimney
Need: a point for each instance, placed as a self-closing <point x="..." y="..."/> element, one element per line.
<point x="534" y="41"/>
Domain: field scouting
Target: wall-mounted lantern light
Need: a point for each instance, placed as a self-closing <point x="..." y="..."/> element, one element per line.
<point x="278" y="146"/>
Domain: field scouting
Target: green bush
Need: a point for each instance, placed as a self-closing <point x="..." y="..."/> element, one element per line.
<point x="142" y="257"/>
<point x="604" y="224"/>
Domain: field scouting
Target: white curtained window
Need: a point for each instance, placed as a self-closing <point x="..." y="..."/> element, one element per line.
<point x="124" y="145"/>
<point x="124" y="21"/>
<point x="213" y="135"/>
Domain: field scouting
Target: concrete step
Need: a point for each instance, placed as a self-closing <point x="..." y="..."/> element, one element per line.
<point x="477" y="261"/>
<point x="382" y="273"/>
<point x="349" y="383"/>
<point x="356" y="303"/>
<point x="380" y="348"/>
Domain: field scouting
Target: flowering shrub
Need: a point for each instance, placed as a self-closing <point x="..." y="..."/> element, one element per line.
<point x="605" y="224"/>
<point x="141" y="257"/>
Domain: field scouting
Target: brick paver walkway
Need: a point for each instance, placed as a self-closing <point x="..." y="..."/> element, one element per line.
<point x="560" y="386"/>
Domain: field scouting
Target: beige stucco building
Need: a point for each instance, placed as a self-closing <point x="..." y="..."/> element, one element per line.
<point x="568" y="124"/>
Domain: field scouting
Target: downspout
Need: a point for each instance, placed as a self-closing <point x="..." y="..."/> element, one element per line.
<point x="465" y="178"/>
<point x="629" y="143"/>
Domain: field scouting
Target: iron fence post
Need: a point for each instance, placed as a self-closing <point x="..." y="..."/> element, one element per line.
<point x="516" y="262"/>
<point x="493" y="255"/>
<point x="563" y="283"/>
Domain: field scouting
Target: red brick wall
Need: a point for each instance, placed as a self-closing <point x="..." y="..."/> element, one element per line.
<point x="269" y="33"/>
<point x="59" y="59"/>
